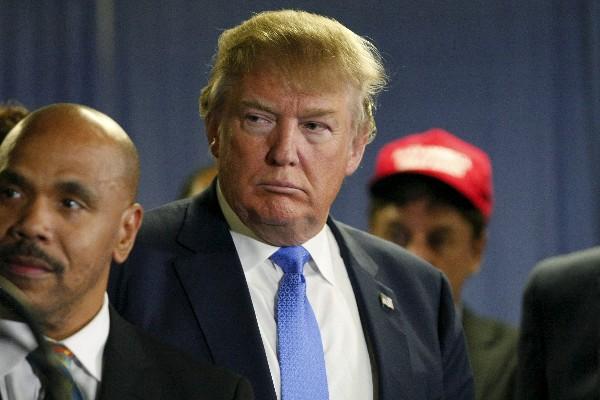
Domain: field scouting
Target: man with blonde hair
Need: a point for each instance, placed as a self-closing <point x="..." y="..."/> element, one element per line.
<point x="254" y="274"/>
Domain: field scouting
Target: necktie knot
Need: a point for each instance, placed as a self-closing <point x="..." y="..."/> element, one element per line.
<point x="63" y="354"/>
<point x="291" y="259"/>
<point x="66" y="359"/>
<point x="55" y="375"/>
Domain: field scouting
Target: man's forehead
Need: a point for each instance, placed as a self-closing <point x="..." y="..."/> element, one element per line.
<point x="70" y="122"/>
<point x="271" y="93"/>
<point x="308" y="105"/>
<point x="62" y="147"/>
<point x="310" y="79"/>
<point x="49" y="156"/>
<point x="28" y="174"/>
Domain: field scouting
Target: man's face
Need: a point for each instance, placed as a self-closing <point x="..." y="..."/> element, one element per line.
<point x="283" y="153"/>
<point x="437" y="233"/>
<point x="63" y="210"/>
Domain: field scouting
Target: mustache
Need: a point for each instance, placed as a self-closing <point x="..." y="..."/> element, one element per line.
<point x="27" y="248"/>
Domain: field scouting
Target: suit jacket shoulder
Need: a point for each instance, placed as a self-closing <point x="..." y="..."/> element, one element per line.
<point x="138" y="367"/>
<point x="421" y="326"/>
<point x="492" y="347"/>
<point x="560" y="276"/>
<point x="558" y="346"/>
<point x="390" y="259"/>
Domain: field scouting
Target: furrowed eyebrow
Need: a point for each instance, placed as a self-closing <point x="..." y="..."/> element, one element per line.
<point x="317" y="112"/>
<point x="258" y="105"/>
<point x="310" y="113"/>
<point x="78" y="190"/>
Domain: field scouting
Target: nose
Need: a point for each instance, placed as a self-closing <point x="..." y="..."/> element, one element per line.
<point x="33" y="221"/>
<point x="420" y="248"/>
<point x="283" y="147"/>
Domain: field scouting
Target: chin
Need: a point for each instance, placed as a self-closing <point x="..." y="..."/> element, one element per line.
<point x="274" y="221"/>
<point x="287" y="230"/>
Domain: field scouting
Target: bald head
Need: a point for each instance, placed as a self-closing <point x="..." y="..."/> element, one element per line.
<point x="81" y="126"/>
<point x="68" y="179"/>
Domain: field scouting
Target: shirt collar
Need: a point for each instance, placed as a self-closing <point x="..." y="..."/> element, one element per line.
<point x="320" y="251"/>
<point x="256" y="252"/>
<point x="88" y="343"/>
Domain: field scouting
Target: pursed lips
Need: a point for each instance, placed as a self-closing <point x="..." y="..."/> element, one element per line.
<point x="282" y="187"/>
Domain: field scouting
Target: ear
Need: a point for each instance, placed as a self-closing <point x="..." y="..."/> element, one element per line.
<point x="212" y="134"/>
<point x="131" y="221"/>
<point x="357" y="149"/>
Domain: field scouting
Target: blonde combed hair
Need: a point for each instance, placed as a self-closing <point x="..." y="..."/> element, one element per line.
<point x="296" y="43"/>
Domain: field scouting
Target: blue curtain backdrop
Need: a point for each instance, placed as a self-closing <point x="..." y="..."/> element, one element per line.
<point x="521" y="79"/>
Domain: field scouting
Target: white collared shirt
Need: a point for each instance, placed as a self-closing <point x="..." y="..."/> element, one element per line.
<point x="17" y="379"/>
<point x="330" y="294"/>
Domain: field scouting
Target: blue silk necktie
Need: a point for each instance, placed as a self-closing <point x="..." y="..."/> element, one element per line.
<point x="299" y="346"/>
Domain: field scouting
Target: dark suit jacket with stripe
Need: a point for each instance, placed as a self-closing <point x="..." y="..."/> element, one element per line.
<point x="135" y="366"/>
<point x="184" y="283"/>
<point x="559" y="348"/>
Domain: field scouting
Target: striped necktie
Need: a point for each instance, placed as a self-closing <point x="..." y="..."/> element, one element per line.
<point x="66" y="359"/>
<point x="51" y="363"/>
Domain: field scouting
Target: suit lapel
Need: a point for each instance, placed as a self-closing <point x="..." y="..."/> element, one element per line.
<point x="388" y="347"/>
<point x="214" y="282"/>
<point x="125" y="366"/>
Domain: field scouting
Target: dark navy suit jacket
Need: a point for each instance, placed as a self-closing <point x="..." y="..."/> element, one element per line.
<point x="135" y="366"/>
<point x="184" y="284"/>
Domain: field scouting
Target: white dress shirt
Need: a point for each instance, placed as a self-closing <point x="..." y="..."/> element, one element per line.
<point x="17" y="379"/>
<point x="330" y="294"/>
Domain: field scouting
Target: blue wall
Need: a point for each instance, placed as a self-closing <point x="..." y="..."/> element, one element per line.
<point x="519" y="79"/>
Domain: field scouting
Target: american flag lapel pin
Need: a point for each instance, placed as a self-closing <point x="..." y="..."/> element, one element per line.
<point x="386" y="301"/>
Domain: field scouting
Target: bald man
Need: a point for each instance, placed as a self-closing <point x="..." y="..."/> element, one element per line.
<point x="68" y="182"/>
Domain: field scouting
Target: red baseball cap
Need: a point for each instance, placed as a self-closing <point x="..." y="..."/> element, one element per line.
<point x="439" y="154"/>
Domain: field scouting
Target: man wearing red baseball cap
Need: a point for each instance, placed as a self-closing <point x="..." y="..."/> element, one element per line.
<point x="432" y="194"/>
